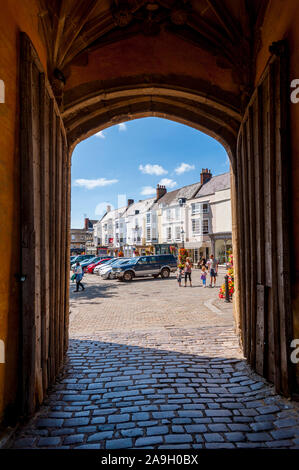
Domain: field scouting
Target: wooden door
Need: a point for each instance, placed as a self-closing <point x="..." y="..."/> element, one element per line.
<point x="263" y="189"/>
<point x="45" y="209"/>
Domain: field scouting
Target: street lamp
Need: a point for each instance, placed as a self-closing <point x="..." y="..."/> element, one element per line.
<point x="182" y="236"/>
<point x="182" y="203"/>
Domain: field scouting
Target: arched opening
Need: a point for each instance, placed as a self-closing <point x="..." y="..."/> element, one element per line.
<point x="85" y="114"/>
<point x="171" y="226"/>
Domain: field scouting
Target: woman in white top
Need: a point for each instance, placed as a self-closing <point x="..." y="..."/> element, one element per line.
<point x="78" y="278"/>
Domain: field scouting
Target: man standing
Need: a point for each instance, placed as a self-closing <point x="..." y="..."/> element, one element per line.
<point x="213" y="268"/>
<point x="79" y="276"/>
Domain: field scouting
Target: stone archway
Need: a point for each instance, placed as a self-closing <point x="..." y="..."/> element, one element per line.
<point x="97" y="105"/>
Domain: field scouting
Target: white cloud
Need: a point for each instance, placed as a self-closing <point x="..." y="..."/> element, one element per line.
<point x="183" y="168"/>
<point x="91" y="184"/>
<point x="148" y="191"/>
<point x="168" y="182"/>
<point x="122" y="126"/>
<point x="152" y="169"/>
<point x="227" y="162"/>
<point x="102" y="207"/>
<point x="101" y="135"/>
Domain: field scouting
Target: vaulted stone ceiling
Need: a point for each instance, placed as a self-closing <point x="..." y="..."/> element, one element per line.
<point x="227" y="29"/>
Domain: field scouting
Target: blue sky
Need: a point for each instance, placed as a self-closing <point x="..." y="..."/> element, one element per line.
<point x="128" y="160"/>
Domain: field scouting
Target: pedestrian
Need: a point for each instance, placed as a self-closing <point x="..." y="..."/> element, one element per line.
<point x="179" y="275"/>
<point x="203" y="276"/>
<point x="79" y="275"/>
<point x="213" y="268"/>
<point x="188" y="270"/>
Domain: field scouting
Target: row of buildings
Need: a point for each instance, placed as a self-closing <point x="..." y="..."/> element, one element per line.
<point x="196" y="217"/>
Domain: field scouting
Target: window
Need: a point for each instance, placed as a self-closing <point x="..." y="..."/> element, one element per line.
<point x="73" y="237"/>
<point x="205" y="226"/>
<point x="106" y="239"/>
<point x="195" y="208"/>
<point x="177" y="232"/>
<point x="177" y="212"/>
<point x="168" y="233"/>
<point x="148" y="218"/>
<point x="116" y="224"/>
<point x="136" y="212"/>
<point x="195" y="226"/>
<point x="168" y="214"/>
<point x="205" y="208"/>
<point x="148" y="233"/>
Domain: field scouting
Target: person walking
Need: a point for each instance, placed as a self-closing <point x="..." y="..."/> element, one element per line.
<point x="79" y="275"/>
<point x="203" y="276"/>
<point x="188" y="270"/>
<point x="179" y="275"/>
<point x="213" y="268"/>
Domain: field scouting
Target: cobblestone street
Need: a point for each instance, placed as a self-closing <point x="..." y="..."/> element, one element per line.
<point x="151" y="365"/>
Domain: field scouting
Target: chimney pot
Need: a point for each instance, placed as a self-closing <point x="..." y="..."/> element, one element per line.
<point x="161" y="190"/>
<point x="205" y="175"/>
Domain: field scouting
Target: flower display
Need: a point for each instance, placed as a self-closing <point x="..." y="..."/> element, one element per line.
<point x="183" y="255"/>
<point x="230" y="272"/>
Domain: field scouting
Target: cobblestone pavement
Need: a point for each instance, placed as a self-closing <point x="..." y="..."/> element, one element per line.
<point x="154" y="366"/>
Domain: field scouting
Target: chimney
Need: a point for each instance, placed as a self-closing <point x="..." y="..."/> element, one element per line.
<point x="130" y="202"/>
<point x="108" y="208"/>
<point x="161" y="190"/>
<point x="205" y="175"/>
<point x="86" y="220"/>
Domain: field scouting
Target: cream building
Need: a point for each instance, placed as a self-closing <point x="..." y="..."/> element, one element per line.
<point x="209" y="226"/>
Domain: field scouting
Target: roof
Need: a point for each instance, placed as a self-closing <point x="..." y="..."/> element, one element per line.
<point x="113" y="213"/>
<point x="141" y="206"/>
<point x="187" y="192"/>
<point x="217" y="183"/>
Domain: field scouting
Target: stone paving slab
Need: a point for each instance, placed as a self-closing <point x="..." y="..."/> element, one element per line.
<point x="173" y="380"/>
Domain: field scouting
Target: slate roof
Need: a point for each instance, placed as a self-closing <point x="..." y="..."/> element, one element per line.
<point x="170" y="197"/>
<point x="142" y="206"/>
<point x="217" y="183"/>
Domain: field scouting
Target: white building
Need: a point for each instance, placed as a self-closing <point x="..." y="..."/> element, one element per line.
<point x="197" y="217"/>
<point x="171" y="217"/>
<point x="209" y="220"/>
<point x="136" y="222"/>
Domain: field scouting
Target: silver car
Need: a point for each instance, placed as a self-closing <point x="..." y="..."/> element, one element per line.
<point x="106" y="271"/>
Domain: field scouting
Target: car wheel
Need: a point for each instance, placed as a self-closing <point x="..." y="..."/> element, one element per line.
<point x="109" y="276"/>
<point x="128" y="276"/>
<point x="165" y="273"/>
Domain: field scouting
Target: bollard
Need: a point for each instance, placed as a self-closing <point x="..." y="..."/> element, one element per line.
<point x="226" y="289"/>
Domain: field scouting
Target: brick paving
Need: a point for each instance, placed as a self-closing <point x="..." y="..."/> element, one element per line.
<point x="151" y="366"/>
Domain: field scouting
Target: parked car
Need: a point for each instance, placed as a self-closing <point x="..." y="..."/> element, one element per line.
<point x="87" y="262"/>
<point x="142" y="266"/>
<point x="93" y="265"/>
<point x="106" y="271"/>
<point x="81" y="258"/>
<point x="100" y="266"/>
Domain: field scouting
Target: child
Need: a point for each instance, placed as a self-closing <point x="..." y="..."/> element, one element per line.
<point x="179" y="275"/>
<point x="203" y="276"/>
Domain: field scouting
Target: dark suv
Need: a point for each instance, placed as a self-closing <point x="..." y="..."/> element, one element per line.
<point x="142" y="266"/>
